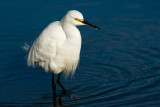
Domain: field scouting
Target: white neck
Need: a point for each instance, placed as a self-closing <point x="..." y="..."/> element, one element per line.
<point x="71" y="31"/>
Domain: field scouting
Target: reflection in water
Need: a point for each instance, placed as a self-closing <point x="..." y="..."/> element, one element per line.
<point x="57" y="98"/>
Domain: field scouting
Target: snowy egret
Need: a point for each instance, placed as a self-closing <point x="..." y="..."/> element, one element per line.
<point x="58" y="47"/>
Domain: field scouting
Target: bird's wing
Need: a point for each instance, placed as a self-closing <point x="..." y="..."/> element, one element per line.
<point x="45" y="46"/>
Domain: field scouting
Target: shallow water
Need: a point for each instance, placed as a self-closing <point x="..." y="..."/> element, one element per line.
<point x="119" y="65"/>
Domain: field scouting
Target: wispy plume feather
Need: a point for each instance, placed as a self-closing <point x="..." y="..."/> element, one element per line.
<point x="26" y="47"/>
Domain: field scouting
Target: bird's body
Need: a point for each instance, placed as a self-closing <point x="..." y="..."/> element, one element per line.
<point x="54" y="50"/>
<point x="58" y="47"/>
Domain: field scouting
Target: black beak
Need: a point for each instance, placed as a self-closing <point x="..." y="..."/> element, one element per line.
<point x="87" y="23"/>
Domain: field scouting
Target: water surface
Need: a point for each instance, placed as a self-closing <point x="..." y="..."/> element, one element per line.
<point x="119" y="65"/>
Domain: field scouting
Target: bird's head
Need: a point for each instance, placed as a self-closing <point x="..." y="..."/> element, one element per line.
<point x="76" y="18"/>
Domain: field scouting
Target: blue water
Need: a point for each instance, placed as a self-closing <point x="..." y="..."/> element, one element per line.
<point x="119" y="64"/>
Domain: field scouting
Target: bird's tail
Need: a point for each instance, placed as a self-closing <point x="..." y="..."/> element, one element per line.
<point x="26" y="47"/>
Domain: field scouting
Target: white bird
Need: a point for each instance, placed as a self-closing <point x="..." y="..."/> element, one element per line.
<point x="58" y="47"/>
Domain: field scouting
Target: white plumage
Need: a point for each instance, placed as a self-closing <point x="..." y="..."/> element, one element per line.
<point x="58" y="47"/>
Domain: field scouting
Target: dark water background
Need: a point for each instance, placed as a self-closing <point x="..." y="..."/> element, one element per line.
<point x="119" y="66"/>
